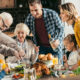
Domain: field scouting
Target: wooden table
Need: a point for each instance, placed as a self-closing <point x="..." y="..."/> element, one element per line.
<point x="67" y="78"/>
<point x="48" y="78"/>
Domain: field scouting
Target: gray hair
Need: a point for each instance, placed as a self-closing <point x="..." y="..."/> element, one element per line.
<point x="7" y="17"/>
<point x="21" y="27"/>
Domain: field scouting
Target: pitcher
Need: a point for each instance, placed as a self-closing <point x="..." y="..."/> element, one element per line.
<point x="29" y="74"/>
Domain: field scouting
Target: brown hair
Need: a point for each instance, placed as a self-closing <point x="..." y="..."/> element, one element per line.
<point x="34" y="1"/>
<point x="70" y="9"/>
<point x="71" y="38"/>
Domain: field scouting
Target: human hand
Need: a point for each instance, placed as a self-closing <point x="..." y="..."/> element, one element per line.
<point x="36" y="48"/>
<point x="55" y="44"/>
<point x="16" y="54"/>
<point x="19" y="54"/>
<point x="64" y="58"/>
<point x="7" y="70"/>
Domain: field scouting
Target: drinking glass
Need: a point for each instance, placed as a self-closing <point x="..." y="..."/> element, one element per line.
<point x="1" y="67"/>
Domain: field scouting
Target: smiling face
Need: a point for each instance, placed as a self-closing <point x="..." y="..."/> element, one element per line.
<point x="68" y="45"/>
<point x="64" y="16"/>
<point x="21" y="35"/>
<point x="21" y="31"/>
<point x="36" y="10"/>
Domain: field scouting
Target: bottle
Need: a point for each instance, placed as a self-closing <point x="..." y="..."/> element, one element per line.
<point x="51" y="42"/>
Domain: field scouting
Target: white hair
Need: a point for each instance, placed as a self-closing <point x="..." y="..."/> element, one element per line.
<point x="21" y="27"/>
<point x="7" y="17"/>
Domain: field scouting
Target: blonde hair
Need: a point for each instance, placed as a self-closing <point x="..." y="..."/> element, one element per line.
<point x="21" y="27"/>
<point x="70" y="9"/>
<point x="7" y="17"/>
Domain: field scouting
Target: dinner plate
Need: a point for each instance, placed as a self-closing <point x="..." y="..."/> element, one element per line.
<point x="48" y="63"/>
<point x="12" y="65"/>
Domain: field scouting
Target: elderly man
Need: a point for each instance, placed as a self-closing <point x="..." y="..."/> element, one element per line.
<point x="8" y="46"/>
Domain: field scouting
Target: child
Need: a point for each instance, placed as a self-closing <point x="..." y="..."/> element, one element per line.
<point x="71" y="45"/>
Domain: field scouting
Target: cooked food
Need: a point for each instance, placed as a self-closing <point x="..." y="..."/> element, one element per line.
<point x="43" y="66"/>
<point x="44" y="58"/>
<point x="72" y="75"/>
<point x="19" y="69"/>
<point x="39" y="73"/>
<point x="17" y="76"/>
<point x="41" y="69"/>
<point x="38" y="68"/>
<point x="41" y="56"/>
<point x="47" y="71"/>
<point x="50" y="56"/>
<point x="63" y="76"/>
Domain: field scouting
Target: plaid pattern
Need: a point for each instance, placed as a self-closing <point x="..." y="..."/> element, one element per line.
<point x="53" y="26"/>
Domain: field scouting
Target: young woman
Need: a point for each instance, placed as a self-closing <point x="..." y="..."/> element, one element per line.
<point x="68" y="14"/>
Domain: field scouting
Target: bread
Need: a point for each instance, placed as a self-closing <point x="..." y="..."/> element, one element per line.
<point x="41" y="56"/>
<point x="44" y="58"/>
<point x="50" y="56"/>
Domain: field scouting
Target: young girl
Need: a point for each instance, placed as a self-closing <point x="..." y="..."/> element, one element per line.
<point x="71" y="45"/>
<point x="68" y="14"/>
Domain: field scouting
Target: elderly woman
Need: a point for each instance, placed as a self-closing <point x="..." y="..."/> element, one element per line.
<point x="8" y="46"/>
<point x="21" y="31"/>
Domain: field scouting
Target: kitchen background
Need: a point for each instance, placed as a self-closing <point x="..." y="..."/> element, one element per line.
<point x="19" y="9"/>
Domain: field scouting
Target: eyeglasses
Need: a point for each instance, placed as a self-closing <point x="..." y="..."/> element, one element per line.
<point x="4" y="26"/>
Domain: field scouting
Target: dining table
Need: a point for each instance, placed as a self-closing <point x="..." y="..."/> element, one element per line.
<point x="8" y="77"/>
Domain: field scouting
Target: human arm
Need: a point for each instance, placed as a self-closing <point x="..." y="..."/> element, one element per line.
<point x="29" y="22"/>
<point x="65" y="61"/>
<point x="59" y="30"/>
<point x="77" y="32"/>
<point x="8" y="46"/>
<point x="7" y="51"/>
<point x="73" y="60"/>
<point x="70" y="67"/>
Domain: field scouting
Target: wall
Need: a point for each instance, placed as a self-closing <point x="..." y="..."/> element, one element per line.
<point x="6" y="3"/>
<point x="75" y="2"/>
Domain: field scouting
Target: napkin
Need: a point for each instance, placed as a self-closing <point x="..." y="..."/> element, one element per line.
<point x="2" y="74"/>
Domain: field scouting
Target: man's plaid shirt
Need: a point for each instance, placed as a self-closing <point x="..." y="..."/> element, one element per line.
<point x="53" y="25"/>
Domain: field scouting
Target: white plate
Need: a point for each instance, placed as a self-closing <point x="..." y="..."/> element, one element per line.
<point x="48" y="63"/>
<point x="12" y="65"/>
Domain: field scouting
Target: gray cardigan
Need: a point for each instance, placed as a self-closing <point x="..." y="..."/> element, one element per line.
<point x="8" y="45"/>
<point x="29" y="50"/>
